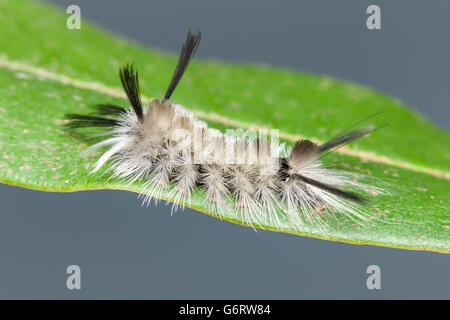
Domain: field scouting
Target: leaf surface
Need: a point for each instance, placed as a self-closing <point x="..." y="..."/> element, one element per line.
<point x="48" y="70"/>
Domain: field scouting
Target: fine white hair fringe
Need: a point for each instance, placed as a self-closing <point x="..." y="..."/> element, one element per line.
<point x="258" y="179"/>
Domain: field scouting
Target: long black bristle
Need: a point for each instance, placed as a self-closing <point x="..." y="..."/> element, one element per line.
<point x="109" y="109"/>
<point x="344" y="138"/>
<point x="187" y="52"/>
<point x="331" y="189"/>
<point x="348" y="135"/>
<point x="130" y="83"/>
<point x="84" y="121"/>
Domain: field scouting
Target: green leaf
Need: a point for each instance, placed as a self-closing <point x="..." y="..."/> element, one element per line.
<point x="49" y="70"/>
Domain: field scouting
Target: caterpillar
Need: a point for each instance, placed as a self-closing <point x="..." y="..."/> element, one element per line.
<point x="166" y="147"/>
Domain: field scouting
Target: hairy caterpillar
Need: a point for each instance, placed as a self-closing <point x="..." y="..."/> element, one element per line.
<point x="165" y="146"/>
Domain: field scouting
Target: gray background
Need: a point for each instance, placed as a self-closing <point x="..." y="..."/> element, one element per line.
<point x="126" y="251"/>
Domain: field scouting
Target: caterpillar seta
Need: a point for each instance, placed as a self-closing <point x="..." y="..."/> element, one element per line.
<point x="166" y="147"/>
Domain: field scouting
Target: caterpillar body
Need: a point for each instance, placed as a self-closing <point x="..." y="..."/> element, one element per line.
<point x="167" y="148"/>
